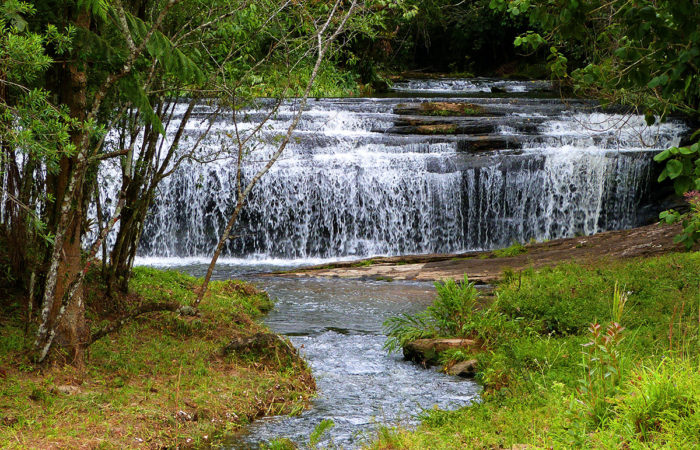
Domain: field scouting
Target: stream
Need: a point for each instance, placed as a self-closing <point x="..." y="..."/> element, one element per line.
<point x="376" y="176"/>
<point x="337" y="326"/>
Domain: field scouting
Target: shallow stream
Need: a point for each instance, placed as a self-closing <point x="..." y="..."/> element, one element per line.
<point x="337" y="325"/>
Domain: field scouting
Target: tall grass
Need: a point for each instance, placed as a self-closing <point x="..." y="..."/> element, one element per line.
<point x="449" y="315"/>
<point x="561" y="371"/>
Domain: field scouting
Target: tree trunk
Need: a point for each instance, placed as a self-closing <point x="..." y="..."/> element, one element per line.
<point x="63" y="322"/>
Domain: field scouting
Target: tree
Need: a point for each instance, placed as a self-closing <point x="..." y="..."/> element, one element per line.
<point x="123" y="70"/>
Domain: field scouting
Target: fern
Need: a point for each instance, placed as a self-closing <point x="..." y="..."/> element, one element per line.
<point x="449" y="315"/>
<point x="402" y="329"/>
<point x="98" y="8"/>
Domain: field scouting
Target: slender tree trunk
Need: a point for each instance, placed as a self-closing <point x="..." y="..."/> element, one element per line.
<point x="64" y="324"/>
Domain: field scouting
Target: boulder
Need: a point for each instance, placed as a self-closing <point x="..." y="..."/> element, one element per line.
<point x="264" y="348"/>
<point x="427" y="351"/>
<point x="465" y="369"/>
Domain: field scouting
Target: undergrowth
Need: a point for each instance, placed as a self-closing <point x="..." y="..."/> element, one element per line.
<point x="450" y="315"/>
<point x="581" y="356"/>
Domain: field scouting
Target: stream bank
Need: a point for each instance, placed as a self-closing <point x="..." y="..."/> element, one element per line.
<point x="161" y="381"/>
<point x="568" y="366"/>
<point x="337" y="327"/>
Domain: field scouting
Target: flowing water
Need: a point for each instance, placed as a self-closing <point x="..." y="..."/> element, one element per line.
<point x="336" y="324"/>
<point x="356" y="181"/>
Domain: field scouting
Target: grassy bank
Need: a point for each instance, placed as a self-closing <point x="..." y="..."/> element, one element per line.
<point x="567" y="360"/>
<point x="161" y="380"/>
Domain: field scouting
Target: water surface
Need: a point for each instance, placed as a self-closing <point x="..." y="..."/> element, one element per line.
<point x="337" y="325"/>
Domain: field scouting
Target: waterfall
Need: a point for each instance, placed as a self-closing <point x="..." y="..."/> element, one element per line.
<point x="347" y="187"/>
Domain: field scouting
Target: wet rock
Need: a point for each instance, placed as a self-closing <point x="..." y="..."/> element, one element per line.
<point x="465" y="369"/>
<point x="489" y="142"/>
<point x="441" y="128"/>
<point x="451" y="109"/>
<point x="427" y="351"/>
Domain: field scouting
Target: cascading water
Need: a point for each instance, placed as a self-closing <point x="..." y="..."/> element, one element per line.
<point x="348" y="186"/>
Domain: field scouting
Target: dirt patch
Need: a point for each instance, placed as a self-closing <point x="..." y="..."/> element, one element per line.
<point x="483" y="268"/>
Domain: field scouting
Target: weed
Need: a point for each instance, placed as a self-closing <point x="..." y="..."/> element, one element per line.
<point x="515" y="249"/>
<point x="319" y="431"/>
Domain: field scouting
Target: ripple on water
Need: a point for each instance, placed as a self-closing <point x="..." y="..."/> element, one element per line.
<point x="337" y="326"/>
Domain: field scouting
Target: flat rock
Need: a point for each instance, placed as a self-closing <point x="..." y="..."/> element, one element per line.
<point x="68" y="390"/>
<point x="482" y="268"/>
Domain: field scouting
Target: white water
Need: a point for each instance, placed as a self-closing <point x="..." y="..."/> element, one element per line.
<point x="345" y="188"/>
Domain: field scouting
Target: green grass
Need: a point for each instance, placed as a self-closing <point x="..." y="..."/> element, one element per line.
<point x="545" y="387"/>
<point x="514" y="249"/>
<point x="363" y="263"/>
<point x="136" y="380"/>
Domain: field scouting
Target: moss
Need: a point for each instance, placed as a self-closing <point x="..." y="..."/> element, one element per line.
<point x="450" y="109"/>
<point x="363" y="263"/>
<point x="161" y="381"/>
<point x="514" y="249"/>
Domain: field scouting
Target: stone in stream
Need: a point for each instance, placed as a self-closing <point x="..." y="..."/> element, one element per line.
<point x="427" y="351"/>
<point x="452" y="109"/>
<point x="465" y="369"/>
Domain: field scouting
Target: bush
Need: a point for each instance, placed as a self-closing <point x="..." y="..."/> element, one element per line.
<point x="565" y="299"/>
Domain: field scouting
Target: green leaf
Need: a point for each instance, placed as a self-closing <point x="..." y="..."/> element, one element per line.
<point x="663" y="175"/>
<point x="674" y="168"/>
<point x="688" y="150"/>
<point x="682" y="185"/>
<point x="661" y="80"/>
<point x="662" y="156"/>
